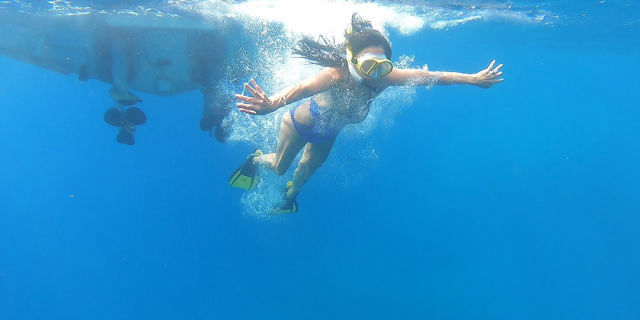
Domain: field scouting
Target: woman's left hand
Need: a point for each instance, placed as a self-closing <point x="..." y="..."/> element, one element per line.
<point x="489" y="76"/>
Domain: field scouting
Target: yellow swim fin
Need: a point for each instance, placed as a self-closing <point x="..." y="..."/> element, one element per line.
<point x="245" y="176"/>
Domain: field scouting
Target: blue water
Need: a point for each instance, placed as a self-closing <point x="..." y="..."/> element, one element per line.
<point x="516" y="202"/>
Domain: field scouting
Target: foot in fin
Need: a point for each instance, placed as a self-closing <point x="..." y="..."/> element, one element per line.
<point x="245" y="176"/>
<point x="125" y="137"/>
<point x="114" y="117"/>
<point x="288" y="205"/>
<point x="135" y="116"/>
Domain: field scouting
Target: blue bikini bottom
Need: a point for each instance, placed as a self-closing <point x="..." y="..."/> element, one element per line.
<point x="317" y="132"/>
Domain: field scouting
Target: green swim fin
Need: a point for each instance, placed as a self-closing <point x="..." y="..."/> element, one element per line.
<point x="245" y="176"/>
<point x="289" y="205"/>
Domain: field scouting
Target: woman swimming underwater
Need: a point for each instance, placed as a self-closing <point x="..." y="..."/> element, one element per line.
<point x="340" y="94"/>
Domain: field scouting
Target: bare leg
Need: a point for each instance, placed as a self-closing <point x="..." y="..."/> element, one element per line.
<point x="289" y="144"/>
<point x="313" y="157"/>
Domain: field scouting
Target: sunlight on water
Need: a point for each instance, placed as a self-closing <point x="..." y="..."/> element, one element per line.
<point x="328" y="18"/>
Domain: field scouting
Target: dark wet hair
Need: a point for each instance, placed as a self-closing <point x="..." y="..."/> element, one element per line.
<point x="328" y="54"/>
<point x="368" y="38"/>
<point x="321" y="52"/>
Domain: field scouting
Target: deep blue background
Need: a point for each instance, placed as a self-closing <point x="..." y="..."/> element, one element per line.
<point x="517" y="202"/>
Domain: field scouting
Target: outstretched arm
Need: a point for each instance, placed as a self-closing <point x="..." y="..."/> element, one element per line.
<point x="260" y="103"/>
<point x="420" y="77"/>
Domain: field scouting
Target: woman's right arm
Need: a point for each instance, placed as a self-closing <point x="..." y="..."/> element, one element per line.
<point x="260" y="103"/>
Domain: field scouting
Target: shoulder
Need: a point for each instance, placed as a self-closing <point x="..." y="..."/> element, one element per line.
<point x="331" y="75"/>
<point x="336" y="74"/>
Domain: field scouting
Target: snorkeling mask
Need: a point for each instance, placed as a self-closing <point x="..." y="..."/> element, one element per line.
<point x="375" y="66"/>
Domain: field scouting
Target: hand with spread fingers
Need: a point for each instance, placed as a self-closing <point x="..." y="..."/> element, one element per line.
<point x="259" y="103"/>
<point x="489" y="76"/>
